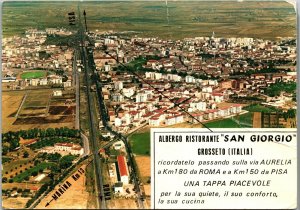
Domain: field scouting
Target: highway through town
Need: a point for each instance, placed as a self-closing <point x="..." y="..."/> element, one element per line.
<point x="91" y="111"/>
<point x="119" y="136"/>
<point x="92" y="76"/>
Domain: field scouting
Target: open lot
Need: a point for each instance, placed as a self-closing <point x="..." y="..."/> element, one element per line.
<point x="122" y="203"/>
<point x="263" y="19"/>
<point x="14" y="203"/>
<point x="75" y="197"/>
<point x="144" y="167"/>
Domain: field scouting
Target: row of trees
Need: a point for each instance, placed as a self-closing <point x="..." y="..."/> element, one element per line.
<point x="37" y="132"/>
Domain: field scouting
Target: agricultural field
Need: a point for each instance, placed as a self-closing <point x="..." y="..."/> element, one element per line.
<point x="27" y="173"/>
<point x="37" y="109"/>
<point x="263" y="19"/>
<point x="10" y="105"/>
<point x="33" y="74"/>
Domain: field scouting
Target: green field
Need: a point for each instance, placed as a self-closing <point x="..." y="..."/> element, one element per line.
<point x="224" y="123"/>
<point x="33" y="74"/>
<point x="140" y="143"/>
<point x="240" y="121"/>
<point x="263" y="19"/>
<point x="21" y="177"/>
<point x="259" y="108"/>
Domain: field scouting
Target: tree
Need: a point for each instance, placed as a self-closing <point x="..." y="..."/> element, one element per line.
<point x="66" y="161"/>
<point x="53" y="157"/>
<point x="4" y="179"/>
<point x="26" y="178"/>
<point x="34" y="173"/>
<point x="36" y="162"/>
<point x="5" y="149"/>
<point x="10" y="180"/>
<point x="25" y="154"/>
<point x="55" y="169"/>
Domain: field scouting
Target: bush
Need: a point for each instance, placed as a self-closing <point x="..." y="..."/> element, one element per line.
<point x="10" y="180"/>
<point x="4" y="179"/>
<point x="25" y="154"/>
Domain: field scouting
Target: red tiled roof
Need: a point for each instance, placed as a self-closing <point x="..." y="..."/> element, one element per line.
<point x="217" y="94"/>
<point x="148" y="114"/>
<point x="64" y="144"/>
<point x="122" y="166"/>
<point x="30" y="142"/>
<point x="236" y="105"/>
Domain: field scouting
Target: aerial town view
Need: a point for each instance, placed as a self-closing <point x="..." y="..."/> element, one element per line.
<point x="84" y="82"/>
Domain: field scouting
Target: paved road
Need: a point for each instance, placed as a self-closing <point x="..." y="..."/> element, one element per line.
<point x="76" y="83"/>
<point x="86" y="145"/>
<point x="91" y="112"/>
<point x="104" y="118"/>
<point x="87" y="56"/>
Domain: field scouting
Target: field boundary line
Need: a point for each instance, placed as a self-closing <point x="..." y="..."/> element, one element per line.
<point x="48" y="104"/>
<point x="21" y="105"/>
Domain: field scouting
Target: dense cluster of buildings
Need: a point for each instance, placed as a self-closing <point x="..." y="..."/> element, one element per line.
<point x="32" y="52"/>
<point x="198" y="75"/>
